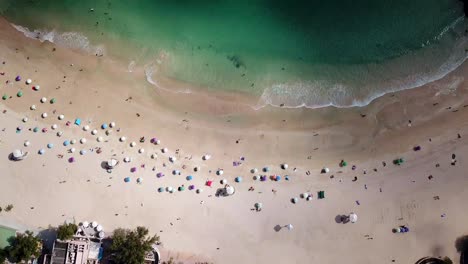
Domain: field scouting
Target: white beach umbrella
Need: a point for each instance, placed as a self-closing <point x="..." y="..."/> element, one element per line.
<point x="83" y="140"/>
<point x="326" y="170"/>
<point x="158" y="142"/>
<point x="122" y="139"/>
<point x="25" y="119"/>
<point x="258" y="206"/>
<point x="86" y="128"/>
<point x="164" y="150"/>
<point x="101" y="234"/>
<point x="99" y="228"/>
<point x="94" y="224"/>
<point x="220" y="172"/>
<point x="305" y="195"/>
<point x="127" y="159"/>
<point x="100" y="139"/>
<point x="172" y="159"/>
<point x="284" y="166"/>
<point x="154" y="156"/>
<point x="199" y="190"/>
<point x="61" y="117"/>
<point x="206" y="157"/>
<point x="85" y="224"/>
<point x="54" y="126"/>
<point x="223" y="181"/>
<point x="112" y="163"/>
<point x="59" y="133"/>
<point x="33" y="107"/>
<point x="255" y="178"/>
<point x="28" y="81"/>
<point x="289" y="226"/>
<point x="353" y="217"/>
<point x="139" y="180"/>
<point x="72" y="150"/>
<point x="112" y="124"/>
<point x="230" y="190"/>
<point x="73" y="141"/>
<point x="83" y="151"/>
<point x="254" y="170"/>
<point x="27" y="143"/>
<point x="44" y="115"/>
<point x="169" y="189"/>
<point x="94" y="132"/>
<point x="43" y="99"/>
<point x="133" y="144"/>
<point x="141" y="151"/>
<point x="295" y="200"/>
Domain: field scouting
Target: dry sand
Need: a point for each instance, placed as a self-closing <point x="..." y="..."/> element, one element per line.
<point x="47" y="190"/>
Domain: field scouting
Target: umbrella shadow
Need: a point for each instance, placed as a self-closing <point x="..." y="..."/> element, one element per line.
<point x="10" y="157"/>
<point x="104" y="165"/>
<point x="221" y="192"/>
<point x="277" y="228"/>
<point x="461" y="244"/>
<point x="48" y="237"/>
<point x="341" y="219"/>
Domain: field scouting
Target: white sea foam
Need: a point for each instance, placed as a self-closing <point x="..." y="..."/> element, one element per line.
<point x="151" y="69"/>
<point x="72" y="40"/>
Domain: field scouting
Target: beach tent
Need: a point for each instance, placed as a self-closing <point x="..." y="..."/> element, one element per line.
<point x="353" y="217"/>
<point x="206" y="157"/>
<point x="209" y="183"/>
<point x="18" y="154"/>
<point x="77" y="121"/>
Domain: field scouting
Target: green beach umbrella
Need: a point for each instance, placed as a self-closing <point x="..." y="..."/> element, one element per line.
<point x="52" y="101"/>
<point x="4" y="97"/>
<point x="19" y="94"/>
<point x="181" y="188"/>
<point x="36" y="129"/>
<point x="343" y="163"/>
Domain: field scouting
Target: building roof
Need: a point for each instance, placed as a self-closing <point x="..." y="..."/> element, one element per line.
<point x="75" y="251"/>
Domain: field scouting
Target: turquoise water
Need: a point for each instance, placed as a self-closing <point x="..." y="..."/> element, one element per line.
<point x="296" y="52"/>
<point x="5" y="234"/>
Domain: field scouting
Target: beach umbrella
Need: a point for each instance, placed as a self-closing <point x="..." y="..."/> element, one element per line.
<point x="17" y="154"/>
<point x="220" y="172"/>
<point x="83" y="140"/>
<point x="133" y="144"/>
<point x="61" y="117"/>
<point x="229" y="190"/>
<point x="258" y="206"/>
<point x="199" y="190"/>
<point x="141" y="151"/>
<point x="112" y="163"/>
<point x="238" y="179"/>
<point x="154" y="156"/>
<point x="104" y="126"/>
<point x="109" y="131"/>
<point x="181" y="188"/>
<point x="160" y="174"/>
<point x="255" y="178"/>
<point x="325" y="170"/>
<point x="266" y="169"/>
<point x="100" y="139"/>
<point x="25" y="119"/>
<point x="94" y="132"/>
<point x="53" y="100"/>
<point x="28" y="81"/>
<point x="353" y="217"/>
<point x="263" y="178"/>
<point x="43" y="99"/>
<point x="172" y="159"/>
<point x="164" y="150"/>
<point x="94" y="224"/>
<point x="169" y="189"/>
<point x="36" y="87"/>
<point x="44" y="130"/>
<point x="294" y="200"/>
<point x="278" y="178"/>
<point x="208" y="183"/>
<point x="71" y="159"/>
<point x="289" y="226"/>
<point x="127" y="179"/>
<point x="54" y="126"/>
<point x="309" y="198"/>
<point x="305" y="195"/>
<point x="99" y="228"/>
<point x="223" y="181"/>
<point x="41" y="151"/>
<point x="284" y="166"/>
<point x="191" y="187"/>
<point x="86" y="128"/>
<point x="343" y="163"/>
<point x="196" y="168"/>
<point x="59" y="133"/>
<point x="112" y="124"/>
<point x="18" y="129"/>
<point x="4" y="97"/>
<point x="50" y="145"/>
<point x="73" y="141"/>
<point x="32" y="107"/>
<point x="101" y="234"/>
<point x="27" y="143"/>
<point x="139" y="180"/>
<point x="72" y="150"/>
<point x="206" y="157"/>
<point x="160" y="189"/>
<point x="44" y="115"/>
<point x="85" y="224"/>
<point x="19" y="94"/>
<point x="83" y="151"/>
<point x="122" y="139"/>
<point x="189" y="178"/>
<point x="255" y="170"/>
<point x="126" y="159"/>
<point x="133" y="169"/>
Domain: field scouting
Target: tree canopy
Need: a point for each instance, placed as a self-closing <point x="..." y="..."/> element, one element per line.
<point x="131" y="246"/>
<point x="23" y="247"/>
<point x="66" y="231"/>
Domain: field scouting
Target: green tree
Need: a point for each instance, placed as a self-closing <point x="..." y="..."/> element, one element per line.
<point x="131" y="246"/>
<point x="24" y="247"/>
<point x="3" y="256"/>
<point x="66" y="231"/>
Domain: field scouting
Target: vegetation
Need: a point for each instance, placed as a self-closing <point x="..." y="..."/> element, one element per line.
<point x="23" y="247"/>
<point x="3" y="255"/>
<point x="8" y="208"/>
<point x="66" y="231"/>
<point x="131" y="246"/>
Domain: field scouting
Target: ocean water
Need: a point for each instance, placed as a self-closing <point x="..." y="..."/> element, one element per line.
<point x="287" y="53"/>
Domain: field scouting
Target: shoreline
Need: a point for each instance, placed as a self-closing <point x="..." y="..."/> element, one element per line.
<point x="225" y="228"/>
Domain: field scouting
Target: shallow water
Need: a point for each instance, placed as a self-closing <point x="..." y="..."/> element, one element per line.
<point x="292" y="53"/>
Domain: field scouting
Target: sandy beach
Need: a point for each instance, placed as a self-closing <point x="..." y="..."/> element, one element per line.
<point x="48" y="189"/>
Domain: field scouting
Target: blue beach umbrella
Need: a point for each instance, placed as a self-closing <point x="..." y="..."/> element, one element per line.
<point x="50" y="145"/>
<point x="286" y="177"/>
<point x="161" y="189"/>
<point x="266" y="169"/>
<point x="278" y="178"/>
<point x="238" y="179"/>
<point x="104" y="126"/>
<point x="66" y="143"/>
<point x="189" y="178"/>
<point x="127" y="179"/>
